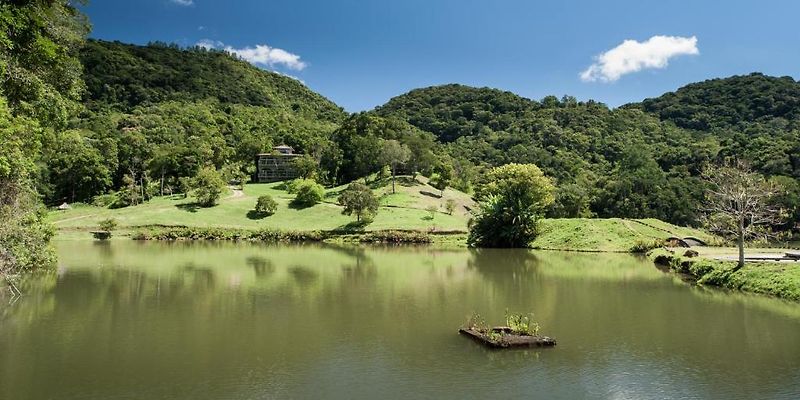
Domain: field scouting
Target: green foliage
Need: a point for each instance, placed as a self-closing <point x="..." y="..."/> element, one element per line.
<point x="108" y="225"/>
<point x="476" y="322"/>
<point x="309" y="193"/>
<point x="511" y="205"/>
<point x="266" y="205"/>
<point x="39" y="90"/>
<point x="644" y="245"/>
<point x="432" y="210"/>
<point x="450" y="206"/>
<point x="629" y="162"/>
<point x="263" y="235"/>
<point x="306" y="166"/>
<point x="522" y="324"/>
<point x="397" y="237"/>
<point x="208" y="186"/>
<point x="358" y="199"/>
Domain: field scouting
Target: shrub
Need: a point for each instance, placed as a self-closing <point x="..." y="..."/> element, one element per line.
<point x="294" y="185"/>
<point x="104" y="200"/>
<point x="645" y="245"/>
<point x="431" y="211"/>
<point x="108" y="225"/>
<point x="266" y="205"/>
<point x="512" y="202"/>
<point x="450" y="206"/>
<point x="208" y="186"/>
<point x="396" y="237"/>
<point x="522" y="324"/>
<point x="308" y="193"/>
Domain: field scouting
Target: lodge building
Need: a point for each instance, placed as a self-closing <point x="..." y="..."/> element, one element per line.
<point x="277" y="165"/>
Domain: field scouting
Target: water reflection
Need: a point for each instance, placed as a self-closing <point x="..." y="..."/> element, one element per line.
<point x="217" y="320"/>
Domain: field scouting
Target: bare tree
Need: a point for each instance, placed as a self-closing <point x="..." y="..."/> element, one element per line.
<point x="738" y="204"/>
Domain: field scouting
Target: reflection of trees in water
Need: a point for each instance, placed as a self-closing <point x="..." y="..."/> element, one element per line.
<point x="504" y="265"/>
<point x="304" y="277"/>
<point x="104" y="248"/>
<point x="261" y="266"/>
<point x="362" y="269"/>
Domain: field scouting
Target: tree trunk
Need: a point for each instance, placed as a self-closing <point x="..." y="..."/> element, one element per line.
<point x="740" y="241"/>
<point x="393" y="173"/>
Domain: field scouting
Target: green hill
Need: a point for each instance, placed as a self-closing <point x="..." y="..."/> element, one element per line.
<point x="637" y="161"/>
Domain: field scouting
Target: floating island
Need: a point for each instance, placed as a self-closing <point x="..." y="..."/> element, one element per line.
<point x="520" y="331"/>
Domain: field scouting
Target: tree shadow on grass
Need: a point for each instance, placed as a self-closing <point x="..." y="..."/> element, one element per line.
<point x="189" y="207"/>
<point x="353" y="226"/>
<point x="300" y="206"/>
<point x="255" y="215"/>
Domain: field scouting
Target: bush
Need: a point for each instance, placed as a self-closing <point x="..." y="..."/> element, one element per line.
<point x="266" y="205"/>
<point x="308" y="193"/>
<point x="108" y="225"/>
<point x="522" y="324"/>
<point x="396" y="237"/>
<point x="450" y="206"/>
<point x="105" y="200"/>
<point x="645" y="245"/>
<point x="208" y="186"/>
<point x="294" y="185"/>
<point x="512" y="202"/>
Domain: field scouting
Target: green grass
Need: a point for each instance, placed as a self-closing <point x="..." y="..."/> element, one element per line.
<point x="779" y="279"/>
<point x="606" y="235"/>
<point x="403" y="210"/>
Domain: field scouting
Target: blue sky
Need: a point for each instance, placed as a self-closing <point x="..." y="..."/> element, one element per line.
<point x="361" y="53"/>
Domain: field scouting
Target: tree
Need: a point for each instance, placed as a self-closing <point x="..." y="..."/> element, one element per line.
<point x="358" y="199"/>
<point x="739" y="204"/>
<point x="442" y="176"/>
<point x="393" y="154"/>
<point x="208" y="186"/>
<point x="510" y="206"/>
<point x="306" y="166"/>
<point x="266" y="205"/>
<point x="450" y="206"/>
<point x="308" y="193"/>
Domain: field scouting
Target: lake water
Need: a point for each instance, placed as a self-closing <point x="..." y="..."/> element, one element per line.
<point x="130" y="320"/>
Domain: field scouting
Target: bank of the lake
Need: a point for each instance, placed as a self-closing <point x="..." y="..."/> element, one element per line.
<point x="779" y="279"/>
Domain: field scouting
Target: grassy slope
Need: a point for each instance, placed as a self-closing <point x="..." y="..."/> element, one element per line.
<point x="613" y="234"/>
<point x="403" y="210"/>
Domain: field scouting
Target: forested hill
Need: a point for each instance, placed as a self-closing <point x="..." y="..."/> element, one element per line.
<point x="730" y="102"/>
<point x="452" y="111"/>
<point x="638" y="160"/>
<point x="123" y="76"/>
<point x="158" y="113"/>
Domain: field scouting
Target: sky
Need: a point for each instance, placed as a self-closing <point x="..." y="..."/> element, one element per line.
<point x="361" y="53"/>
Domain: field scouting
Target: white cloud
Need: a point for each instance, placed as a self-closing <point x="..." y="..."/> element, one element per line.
<point x="183" y="2"/>
<point x="261" y="54"/>
<point x="633" y="56"/>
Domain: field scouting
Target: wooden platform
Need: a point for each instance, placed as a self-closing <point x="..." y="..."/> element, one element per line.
<point x="508" y="340"/>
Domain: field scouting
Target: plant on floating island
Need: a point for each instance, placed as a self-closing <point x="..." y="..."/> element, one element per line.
<point x="519" y="324"/>
<point x="522" y="324"/>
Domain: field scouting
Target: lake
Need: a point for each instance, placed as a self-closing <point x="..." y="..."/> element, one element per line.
<point x="132" y="320"/>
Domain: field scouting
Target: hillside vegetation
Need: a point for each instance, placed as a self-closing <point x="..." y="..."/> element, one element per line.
<point x="638" y="161"/>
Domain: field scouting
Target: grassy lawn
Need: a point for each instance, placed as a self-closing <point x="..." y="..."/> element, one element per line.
<point x="404" y="210"/>
<point x="612" y="234"/>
